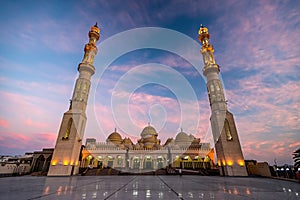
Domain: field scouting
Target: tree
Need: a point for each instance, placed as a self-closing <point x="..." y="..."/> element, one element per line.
<point x="296" y="157"/>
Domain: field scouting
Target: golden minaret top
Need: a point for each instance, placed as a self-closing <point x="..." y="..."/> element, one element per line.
<point x="95" y="31"/>
<point x="203" y="33"/>
<point x="90" y="49"/>
<point x="207" y="49"/>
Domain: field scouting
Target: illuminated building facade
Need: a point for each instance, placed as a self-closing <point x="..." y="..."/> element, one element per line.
<point x="185" y="151"/>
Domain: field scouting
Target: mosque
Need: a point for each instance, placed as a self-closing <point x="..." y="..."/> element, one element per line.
<point x="184" y="152"/>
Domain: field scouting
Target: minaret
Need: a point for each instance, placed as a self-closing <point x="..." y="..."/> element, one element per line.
<point x="227" y="144"/>
<point x="65" y="159"/>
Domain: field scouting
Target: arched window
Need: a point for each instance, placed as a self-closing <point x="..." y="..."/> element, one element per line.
<point x="212" y="89"/>
<point x="227" y="130"/>
<point x="78" y="85"/>
<point x="84" y="87"/>
<point x="119" y="160"/>
<point x="68" y="130"/>
<point x="213" y="98"/>
<point x="218" y="86"/>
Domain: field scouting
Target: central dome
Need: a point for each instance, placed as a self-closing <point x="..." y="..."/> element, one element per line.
<point x="148" y="131"/>
<point x="149" y="137"/>
<point x="183" y="137"/>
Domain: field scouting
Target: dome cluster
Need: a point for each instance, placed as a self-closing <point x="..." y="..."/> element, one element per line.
<point x="116" y="139"/>
<point x="149" y="140"/>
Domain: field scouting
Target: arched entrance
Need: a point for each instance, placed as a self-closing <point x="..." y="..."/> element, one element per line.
<point x="110" y="161"/>
<point x="48" y="163"/>
<point x="39" y="163"/>
<point x="160" y="162"/>
<point x="177" y="162"/>
<point x="135" y="163"/>
<point x="198" y="162"/>
<point x="187" y="162"/>
<point x="148" y="162"/>
<point x="99" y="161"/>
<point x="119" y="161"/>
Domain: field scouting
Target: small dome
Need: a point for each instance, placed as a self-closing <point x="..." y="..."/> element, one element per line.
<point x="114" y="137"/>
<point x="137" y="146"/>
<point x="169" y="141"/>
<point x="127" y="141"/>
<point x="196" y="141"/>
<point x="148" y="131"/>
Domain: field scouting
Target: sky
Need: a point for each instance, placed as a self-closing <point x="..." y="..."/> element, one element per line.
<point x="149" y="70"/>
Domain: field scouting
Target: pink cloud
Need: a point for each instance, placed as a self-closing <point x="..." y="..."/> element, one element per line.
<point x="18" y="143"/>
<point x="30" y="120"/>
<point x="263" y="42"/>
<point x="4" y="123"/>
<point x="270" y="150"/>
<point x="295" y="145"/>
<point x="13" y="140"/>
<point x="36" y="124"/>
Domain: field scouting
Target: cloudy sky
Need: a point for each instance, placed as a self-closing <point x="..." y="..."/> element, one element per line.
<point x="149" y="70"/>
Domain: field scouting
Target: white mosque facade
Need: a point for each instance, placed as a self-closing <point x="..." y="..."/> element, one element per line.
<point x="185" y="151"/>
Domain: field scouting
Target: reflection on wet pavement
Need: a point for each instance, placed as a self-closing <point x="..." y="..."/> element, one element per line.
<point x="146" y="187"/>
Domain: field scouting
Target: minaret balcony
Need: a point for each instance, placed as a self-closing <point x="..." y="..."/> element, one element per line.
<point x="86" y="67"/>
<point x="211" y="69"/>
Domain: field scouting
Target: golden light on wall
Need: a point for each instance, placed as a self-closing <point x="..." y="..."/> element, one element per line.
<point x="66" y="162"/>
<point x="224" y="163"/>
<point x="72" y="163"/>
<point x="241" y="163"/>
<point x="229" y="163"/>
<point x="53" y="162"/>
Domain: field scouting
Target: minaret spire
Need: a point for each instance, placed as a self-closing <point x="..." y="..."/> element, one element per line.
<point x="65" y="159"/>
<point x="227" y="144"/>
<point x="214" y="86"/>
<point x="86" y="70"/>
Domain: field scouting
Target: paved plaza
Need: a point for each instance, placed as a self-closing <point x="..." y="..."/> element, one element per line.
<point x="146" y="187"/>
